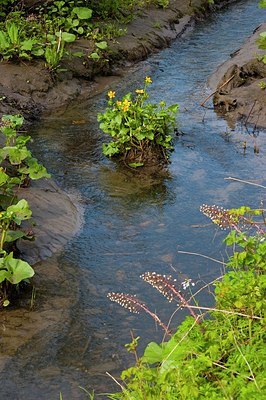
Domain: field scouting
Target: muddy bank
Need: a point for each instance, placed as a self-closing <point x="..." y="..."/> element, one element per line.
<point x="45" y="304"/>
<point x="57" y="216"/>
<point x="240" y="95"/>
<point x="30" y="89"/>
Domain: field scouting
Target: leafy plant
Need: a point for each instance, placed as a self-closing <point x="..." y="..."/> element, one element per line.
<point x="262" y="37"/>
<point x="55" y="49"/>
<point x="14" y="44"/>
<point x="96" y="54"/>
<point x="223" y="356"/>
<point x="68" y="16"/>
<point x="17" y="167"/>
<point x="12" y="270"/>
<point x="262" y="85"/>
<point x="139" y="130"/>
<point x="15" y="156"/>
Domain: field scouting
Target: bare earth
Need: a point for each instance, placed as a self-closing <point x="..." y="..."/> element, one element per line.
<point x="242" y="97"/>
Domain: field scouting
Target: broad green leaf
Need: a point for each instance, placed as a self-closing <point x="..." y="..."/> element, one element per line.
<point x="82" y="12"/>
<point x="168" y="365"/>
<point x="34" y="169"/>
<point x="153" y="353"/>
<point x="68" y="37"/>
<point x="16" y="155"/>
<point x="11" y="236"/>
<point x="94" y="56"/>
<point x="27" y="44"/>
<point x="8" y="131"/>
<point x="13" y="32"/>
<point x="3" y="177"/>
<point x="4" y="274"/>
<point x="4" y="43"/>
<point x="101" y="45"/>
<point x="20" y="210"/>
<point x="38" y="52"/>
<point x="18" y="270"/>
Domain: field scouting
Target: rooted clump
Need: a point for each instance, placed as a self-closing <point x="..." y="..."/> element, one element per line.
<point x="140" y="131"/>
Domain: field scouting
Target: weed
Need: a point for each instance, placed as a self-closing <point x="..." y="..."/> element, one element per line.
<point x="138" y="129"/>
<point x="224" y="355"/>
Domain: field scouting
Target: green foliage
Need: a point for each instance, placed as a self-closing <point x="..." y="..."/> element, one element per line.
<point x="262" y="38"/>
<point x="162" y="3"/>
<point x="136" y="126"/>
<point x="15" y="154"/>
<point x="262" y="85"/>
<point x="223" y="356"/>
<point x="68" y="16"/>
<point x="14" y="270"/>
<point x="5" y="7"/>
<point x="14" y="44"/>
<point x="17" y="167"/>
<point x="30" y="32"/>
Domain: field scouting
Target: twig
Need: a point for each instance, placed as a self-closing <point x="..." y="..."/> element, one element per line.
<point x="181" y="340"/>
<point x="223" y="311"/>
<point x="116" y="381"/>
<point x="201" y="255"/>
<point x="250" y="111"/>
<point x="241" y="180"/>
<point x="246" y="361"/>
<point x="217" y="90"/>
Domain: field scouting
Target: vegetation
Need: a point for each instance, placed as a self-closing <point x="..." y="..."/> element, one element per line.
<point x="140" y="130"/>
<point x="44" y="29"/>
<point x="262" y="39"/>
<point x="17" y="168"/>
<point x="219" y="353"/>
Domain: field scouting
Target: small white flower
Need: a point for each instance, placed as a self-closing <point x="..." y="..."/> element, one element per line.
<point x="186" y="283"/>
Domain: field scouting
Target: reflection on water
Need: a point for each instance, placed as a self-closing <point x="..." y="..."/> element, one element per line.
<point x="135" y="224"/>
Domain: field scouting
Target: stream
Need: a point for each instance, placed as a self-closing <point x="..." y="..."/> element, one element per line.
<point x="135" y="224"/>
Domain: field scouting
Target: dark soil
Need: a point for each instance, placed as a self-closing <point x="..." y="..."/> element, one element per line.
<point x="242" y="97"/>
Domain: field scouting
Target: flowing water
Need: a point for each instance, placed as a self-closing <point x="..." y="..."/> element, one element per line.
<point x="135" y="224"/>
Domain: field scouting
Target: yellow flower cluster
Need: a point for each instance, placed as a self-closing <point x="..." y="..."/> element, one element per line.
<point x="148" y="79"/>
<point x="126" y="105"/>
<point x="139" y="91"/>
<point x="111" y="94"/>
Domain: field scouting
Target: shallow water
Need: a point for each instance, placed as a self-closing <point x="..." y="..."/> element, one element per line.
<point x="135" y="225"/>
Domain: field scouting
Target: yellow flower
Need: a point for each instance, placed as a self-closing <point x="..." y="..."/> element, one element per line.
<point x="148" y="79"/>
<point x="111" y="94"/>
<point x="118" y="103"/>
<point x="139" y="91"/>
<point x="126" y="105"/>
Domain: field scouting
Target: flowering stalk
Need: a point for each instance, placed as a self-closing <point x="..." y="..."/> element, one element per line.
<point x="165" y="284"/>
<point x="134" y="305"/>
<point x="227" y="219"/>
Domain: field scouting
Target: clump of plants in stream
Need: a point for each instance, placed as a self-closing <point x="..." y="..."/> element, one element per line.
<point x="219" y="352"/>
<point x="140" y="130"/>
<point x="17" y="168"/>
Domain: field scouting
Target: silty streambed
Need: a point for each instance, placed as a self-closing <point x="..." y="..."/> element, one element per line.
<point x="133" y="224"/>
